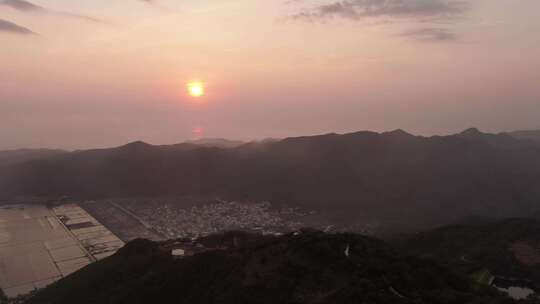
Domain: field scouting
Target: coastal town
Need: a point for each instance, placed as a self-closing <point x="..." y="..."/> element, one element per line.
<point x="172" y="221"/>
<point x="64" y="236"/>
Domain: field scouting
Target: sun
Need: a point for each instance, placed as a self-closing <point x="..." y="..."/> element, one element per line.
<point x="195" y="89"/>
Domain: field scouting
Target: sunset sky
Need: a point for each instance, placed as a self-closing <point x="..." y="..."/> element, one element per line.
<point x="94" y="73"/>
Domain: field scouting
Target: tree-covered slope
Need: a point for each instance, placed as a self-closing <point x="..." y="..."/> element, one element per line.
<point x="310" y="267"/>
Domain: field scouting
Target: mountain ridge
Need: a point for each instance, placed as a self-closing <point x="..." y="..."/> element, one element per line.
<point x="382" y="175"/>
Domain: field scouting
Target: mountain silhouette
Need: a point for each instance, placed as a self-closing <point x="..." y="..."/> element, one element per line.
<point x="302" y="267"/>
<point x="392" y="177"/>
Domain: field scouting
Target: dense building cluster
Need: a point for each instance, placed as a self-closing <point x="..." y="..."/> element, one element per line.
<point x="174" y="221"/>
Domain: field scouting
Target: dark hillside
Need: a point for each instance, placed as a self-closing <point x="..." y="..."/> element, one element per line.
<point x="532" y="135"/>
<point x="394" y="177"/>
<point x="311" y="267"/>
<point x="509" y="248"/>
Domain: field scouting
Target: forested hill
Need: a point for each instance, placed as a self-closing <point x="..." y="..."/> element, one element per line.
<point x="508" y="248"/>
<point x="304" y="267"/>
<point x="392" y="176"/>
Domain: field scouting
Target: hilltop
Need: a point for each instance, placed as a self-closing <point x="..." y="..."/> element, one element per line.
<point x="303" y="267"/>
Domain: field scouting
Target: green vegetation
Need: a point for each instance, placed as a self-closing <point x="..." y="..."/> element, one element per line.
<point x="482" y="277"/>
<point x="477" y="249"/>
<point x="3" y="297"/>
<point x="305" y="267"/>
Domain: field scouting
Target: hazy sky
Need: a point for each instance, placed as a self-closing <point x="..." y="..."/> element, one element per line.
<point x="95" y="73"/>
